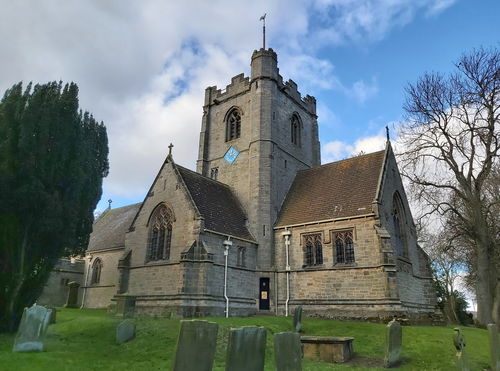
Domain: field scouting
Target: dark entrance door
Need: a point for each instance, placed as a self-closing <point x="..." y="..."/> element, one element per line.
<point x="264" y="293"/>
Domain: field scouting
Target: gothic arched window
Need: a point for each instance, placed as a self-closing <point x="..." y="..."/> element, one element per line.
<point x="241" y="257"/>
<point x="96" y="272"/>
<point x="233" y="124"/>
<point x="399" y="225"/>
<point x="344" y="247"/>
<point x="295" y="127"/>
<point x="313" y="250"/>
<point x="160" y="234"/>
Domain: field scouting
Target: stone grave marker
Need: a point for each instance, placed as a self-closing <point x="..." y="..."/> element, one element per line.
<point x="287" y="351"/>
<point x="53" y="315"/>
<point x="393" y="343"/>
<point x="459" y="342"/>
<point x="246" y="349"/>
<point x="494" y="347"/>
<point x="72" y="300"/>
<point x="297" y="319"/>
<point x="32" y="329"/>
<point x="196" y="346"/>
<point x="125" y="331"/>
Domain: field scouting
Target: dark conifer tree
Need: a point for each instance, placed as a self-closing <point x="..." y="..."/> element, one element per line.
<point x="52" y="160"/>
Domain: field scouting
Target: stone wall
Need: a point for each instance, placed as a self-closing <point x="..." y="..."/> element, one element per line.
<point x="99" y="295"/>
<point x="55" y="291"/>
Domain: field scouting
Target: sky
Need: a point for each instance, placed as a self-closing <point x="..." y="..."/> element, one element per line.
<point x="142" y="66"/>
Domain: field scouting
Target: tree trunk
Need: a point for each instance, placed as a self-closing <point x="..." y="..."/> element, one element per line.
<point x="484" y="289"/>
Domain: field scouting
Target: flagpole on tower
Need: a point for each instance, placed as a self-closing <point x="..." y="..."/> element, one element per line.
<point x="263" y="19"/>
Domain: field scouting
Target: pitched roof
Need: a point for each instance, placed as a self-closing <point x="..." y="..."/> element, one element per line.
<point x="109" y="229"/>
<point x="339" y="189"/>
<point x="216" y="203"/>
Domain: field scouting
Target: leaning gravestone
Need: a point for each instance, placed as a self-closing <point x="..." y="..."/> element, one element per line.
<point x="32" y="329"/>
<point x="494" y="347"/>
<point x="53" y="315"/>
<point x="297" y="319"/>
<point x="246" y="349"/>
<point x="125" y="331"/>
<point x="459" y="342"/>
<point x="196" y="346"/>
<point x="72" y="300"/>
<point x="393" y="342"/>
<point x="287" y="351"/>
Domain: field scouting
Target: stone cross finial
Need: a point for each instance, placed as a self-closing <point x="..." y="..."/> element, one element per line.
<point x="109" y="203"/>
<point x="170" y="149"/>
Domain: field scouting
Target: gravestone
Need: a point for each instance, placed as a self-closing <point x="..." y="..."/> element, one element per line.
<point x="393" y="342"/>
<point x="32" y="329"/>
<point x="246" y="349"/>
<point x="459" y="342"/>
<point x="53" y="315"/>
<point x="125" y="331"/>
<point x="196" y="346"/>
<point x="72" y="300"/>
<point x="297" y="319"/>
<point x="125" y="305"/>
<point x="494" y="347"/>
<point x="287" y="351"/>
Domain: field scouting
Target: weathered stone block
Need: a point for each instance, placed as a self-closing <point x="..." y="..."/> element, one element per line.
<point x="246" y="349"/>
<point x="32" y="329"/>
<point x="125" y="331"/>
<point x="297" y="319"/>
<point x="125" y="305"/>
<point x="327" y="348"/>
<point x="72" y="300"/>
<point x="196" y="346"/>
<point x="287" y="351"/>
<point x="393" y="342"/>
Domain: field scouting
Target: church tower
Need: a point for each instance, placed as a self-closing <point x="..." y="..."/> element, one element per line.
<point x="255" y="135"/>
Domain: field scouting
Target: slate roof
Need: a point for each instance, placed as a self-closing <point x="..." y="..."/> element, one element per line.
<point x="345" y="188"/>
<point x="109" y="229"/>
<point x="217" y="204"/>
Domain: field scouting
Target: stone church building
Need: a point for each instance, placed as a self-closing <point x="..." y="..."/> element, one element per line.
<point x="262" y="226"/>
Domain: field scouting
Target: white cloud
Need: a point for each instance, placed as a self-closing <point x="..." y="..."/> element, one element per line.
<point x="338" y="150"/>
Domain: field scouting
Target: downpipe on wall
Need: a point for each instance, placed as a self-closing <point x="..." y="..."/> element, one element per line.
<point x="227" y="244"/>
<point x="287" y="235"/>
<point x="89" y="257"/>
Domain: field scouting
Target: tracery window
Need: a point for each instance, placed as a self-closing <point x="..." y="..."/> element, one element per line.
<point x="295" y="130"/>
<point x="399" y="223"/>
<point x="344" y="247"/>
<point x="160" y="234"/>
<point x="233" y="125"/>
<point x="96" y="272"/>
<point x="313" y="250"/>
<point x="241" y="257"/>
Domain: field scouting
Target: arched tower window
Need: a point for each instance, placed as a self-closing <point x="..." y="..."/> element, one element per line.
<point x="233" y="124"/>
<point x="160" y="234"/>
<point x="399" y="225"/>
<point x="96" y="272"/>
<point x="295" y="129"/>
<point x="241" y="259"/>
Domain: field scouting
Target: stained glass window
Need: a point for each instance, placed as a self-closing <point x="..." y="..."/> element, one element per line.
<point x="160" y="235"/>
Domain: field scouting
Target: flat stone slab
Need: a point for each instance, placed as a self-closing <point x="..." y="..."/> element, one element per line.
<point x="125" y="331"/>
<point x="333" y="349"/>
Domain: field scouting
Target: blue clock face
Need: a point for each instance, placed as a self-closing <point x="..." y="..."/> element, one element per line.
<point x="231" y="155"/>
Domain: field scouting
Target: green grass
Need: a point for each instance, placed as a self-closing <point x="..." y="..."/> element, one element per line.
<point x="84" y="339"/>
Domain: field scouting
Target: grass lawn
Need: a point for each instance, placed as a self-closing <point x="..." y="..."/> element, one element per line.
<point x="84" y="339"/>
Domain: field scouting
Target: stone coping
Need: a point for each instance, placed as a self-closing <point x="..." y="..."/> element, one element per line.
<point x="325" y="339"/>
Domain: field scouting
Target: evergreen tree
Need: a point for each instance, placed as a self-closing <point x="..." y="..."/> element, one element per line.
<point x="53" y="157"/>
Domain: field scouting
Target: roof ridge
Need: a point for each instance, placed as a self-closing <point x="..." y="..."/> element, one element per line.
<point x="204" y="176"/>
<point x="343" y="160"/>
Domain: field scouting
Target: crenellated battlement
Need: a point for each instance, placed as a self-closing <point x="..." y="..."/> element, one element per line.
<point x="239" y="84"/>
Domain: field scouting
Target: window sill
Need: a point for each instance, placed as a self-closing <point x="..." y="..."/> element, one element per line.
<point x="345" y="265"/>
<point x="313" y="267"/>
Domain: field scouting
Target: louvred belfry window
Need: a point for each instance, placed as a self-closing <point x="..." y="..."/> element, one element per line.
<point x="233" y="125"/>
<point x="313" y="250"/>
<point x="160" y="234"/>
<point x="344" y="247"/>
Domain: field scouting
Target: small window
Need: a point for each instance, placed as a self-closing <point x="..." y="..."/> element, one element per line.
<point x="233" y="125"/>
<point x="295" y="127"/>
<point x="313" y="250"/>
<point x="214" y="173"/>
<point x="344" y="247"/>
<point x="96" y="272"/>
<point x="240" y="262"/>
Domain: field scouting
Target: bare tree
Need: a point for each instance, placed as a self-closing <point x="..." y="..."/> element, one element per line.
<point x="451" y="147"/>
